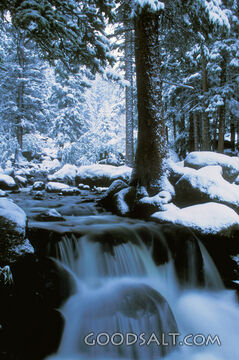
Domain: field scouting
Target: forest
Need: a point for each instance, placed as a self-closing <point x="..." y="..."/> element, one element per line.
<point x="119" y="179"/>
<point x="49" y="91"/>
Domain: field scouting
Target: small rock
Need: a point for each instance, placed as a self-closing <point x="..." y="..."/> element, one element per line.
<point x="39" y="195"/>
<point x="49" y="215"/>
<point x="3" y="193"/>
<point x="55" y="187"/>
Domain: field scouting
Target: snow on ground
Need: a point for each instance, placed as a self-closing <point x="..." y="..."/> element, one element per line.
<point x="11" y="214"/>
<point x="66" y="174"/>
<point x="50" y="165"/>
<point x="208" y="218"/>
<point x="199" y="159"/>
<point x="209" y="184"/>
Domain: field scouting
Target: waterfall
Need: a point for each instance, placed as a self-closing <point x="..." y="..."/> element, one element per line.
<point x="122" y="294"/>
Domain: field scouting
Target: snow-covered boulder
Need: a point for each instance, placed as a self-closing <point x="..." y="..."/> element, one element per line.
<point x="199" y="159"/>
<point x="21" y="181"/>
<point x="54" y="187"/>
<point x="206" y="184"/>
<point x="7" y="182"/>
<point x="208" y="218"/>
<point x="177" y="170"/>
<point x="66" y="174"/>
<point x="38" y="185"/>
<point x="102" y="175"/>
<point x="12" y="236"/>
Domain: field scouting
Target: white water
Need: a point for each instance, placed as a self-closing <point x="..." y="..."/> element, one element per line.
<point x="105" y="279"/>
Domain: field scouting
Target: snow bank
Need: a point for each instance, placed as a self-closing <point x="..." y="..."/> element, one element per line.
<point x="177" y="170"/>
<point x="66" y="174"/>
<point x="7" y="182"/>
<point x="102" y="175"/>
<point x="206" y="184"/>
<point x="199" y="159"/>
<point x="208" y="218"/>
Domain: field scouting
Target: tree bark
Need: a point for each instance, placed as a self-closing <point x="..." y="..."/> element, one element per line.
<point x="174" y="127"/>
<point x="195" y="131"/>
<point x="233" y="136"/>
<point x="191" y="133"/>
<point x="151" y="146"/>
<point x="222" y="109"/>
<point x="129" y="94"/>
<point x="205" y="122"/>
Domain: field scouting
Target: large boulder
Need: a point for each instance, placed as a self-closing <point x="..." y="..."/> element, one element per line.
<point x="102" y="175"/>
<point x="230" y="165"/>
<point x="206" y="184"/>
<point x="208" y="218"/>
<point x="7" y="182"/>
<point x="13" y="227"/>
<point x="66" y="174"/>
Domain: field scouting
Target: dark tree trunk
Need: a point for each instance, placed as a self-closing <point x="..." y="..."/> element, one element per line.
<point x="129" y="94"/>
<point x="233" y="136"/>
<point x="191" y="133"/>
<point x="195" y="131"/>
<point x="215" y="127"/>
<point x="205" y="120"/>
<point x="174" y="128"/>
<point x="151" y="146"/>
<point x="222" y="109"/>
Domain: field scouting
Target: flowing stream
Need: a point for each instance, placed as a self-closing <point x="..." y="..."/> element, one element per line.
<point x="123" y="296"/>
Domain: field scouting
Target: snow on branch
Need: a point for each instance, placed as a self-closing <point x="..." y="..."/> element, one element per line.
<point x="155" y="5"/>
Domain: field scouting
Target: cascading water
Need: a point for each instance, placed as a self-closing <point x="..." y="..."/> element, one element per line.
<point x="123" y="295"/>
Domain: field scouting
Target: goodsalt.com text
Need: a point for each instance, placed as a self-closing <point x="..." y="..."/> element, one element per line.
<point x="169" y="339"/>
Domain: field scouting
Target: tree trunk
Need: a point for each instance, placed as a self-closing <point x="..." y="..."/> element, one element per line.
<point x="129" y="94"/>
<point x="205" y="122"/>
<point x="215" y="127"/>
<point x="222" y="110"/>
<point x="233" y="136"/>
<point x="151" y="146"/>
<point x="174" y="127"/>
<point x="191" y="133"/>
<point x="195" y="131"/>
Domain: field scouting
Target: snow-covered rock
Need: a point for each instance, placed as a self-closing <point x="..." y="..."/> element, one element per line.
<point x="13" y="227"/>
<point x="3" y="193"/>
<point x="54" y="187"/>
<point x="38" y="185"/>
<point x="206" y="184"/>
<point x="177" y="170"/>
<point x="66" y="174"/>
<point x="39" y="195"/>
<point x="20" y="180"/>
<point x="83" y="187"/>
<point x="208" y="218"/>
<point x="199" y="159"/>
<point x="49" y="215"/>
<point x="102" y="175"/>
<point x="71" y="192"/>
<point x="7" y="182"/>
